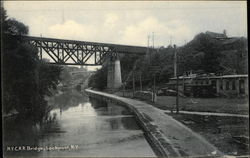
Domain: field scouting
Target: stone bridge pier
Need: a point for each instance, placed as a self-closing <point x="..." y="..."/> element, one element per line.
<point x="114" y="79"/>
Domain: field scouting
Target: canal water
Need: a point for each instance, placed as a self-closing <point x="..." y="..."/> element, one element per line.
<point x="79" y="126"/>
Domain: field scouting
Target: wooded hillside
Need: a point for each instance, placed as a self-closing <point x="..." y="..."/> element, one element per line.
<point x="208" y="53"/>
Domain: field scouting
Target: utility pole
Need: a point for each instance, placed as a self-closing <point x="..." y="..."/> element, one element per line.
<point x="40" y="50"/>
<point x="133" y="84"/>
<point x="175" y="61"/>
<point x="153" y="39"/>
<point x="140" y="82"/>
<point x="148" y="51"/>
<point x="148" y="40"/>
<point x="170" y="41"/>
<point x="154" y="90"/>
<point x="183" y="83"/>
<point x="177" y="80"/>
<point x="123" y="89"/>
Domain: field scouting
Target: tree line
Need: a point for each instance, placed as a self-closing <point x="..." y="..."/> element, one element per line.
<point x="26" y="80"/>
<point x="202" y="54"/>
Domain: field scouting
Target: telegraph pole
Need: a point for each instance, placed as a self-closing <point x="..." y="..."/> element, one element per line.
<point x="123" y="89"/>
<point x="177" y="79"/>
<point x="170" y="40"/>
<point x="140" y="82"/>
<point x="148" y="43"/>
<point x="133" y="84"/>
<point x="175" y="61"/>
<point x="154" y="90"/>
<point x="148" y="52"/>
<point x="153" y="39"/>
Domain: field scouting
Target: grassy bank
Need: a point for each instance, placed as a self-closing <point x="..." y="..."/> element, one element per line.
<point x="219" y="105"/>
<point x="228" y="134"/>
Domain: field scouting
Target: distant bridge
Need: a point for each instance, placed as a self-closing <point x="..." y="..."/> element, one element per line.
<point x="72" y="52"/>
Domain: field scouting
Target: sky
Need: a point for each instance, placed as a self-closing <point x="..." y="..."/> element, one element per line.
<point x="130" y="23"/>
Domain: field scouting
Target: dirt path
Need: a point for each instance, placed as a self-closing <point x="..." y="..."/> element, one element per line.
<point x="178" y="139"/>
<point x="209" y="114"/>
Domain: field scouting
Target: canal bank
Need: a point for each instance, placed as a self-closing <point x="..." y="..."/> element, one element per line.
<point x="167" y="136"/>
<point x="80" y="127"/>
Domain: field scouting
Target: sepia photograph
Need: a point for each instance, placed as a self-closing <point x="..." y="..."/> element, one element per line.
<point x="124" y="79"/>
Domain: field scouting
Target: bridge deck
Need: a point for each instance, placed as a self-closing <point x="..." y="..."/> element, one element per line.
<point x="73" y="52"/>
<point x="118" y="47"/>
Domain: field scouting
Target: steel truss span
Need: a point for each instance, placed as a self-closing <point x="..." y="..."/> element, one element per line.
<point x="70" y="52"/>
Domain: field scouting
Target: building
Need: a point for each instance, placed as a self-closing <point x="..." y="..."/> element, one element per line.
<point x="217" y="35"/>
<point x="211" y="85"/>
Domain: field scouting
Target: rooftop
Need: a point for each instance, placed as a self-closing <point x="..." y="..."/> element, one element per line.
<point x="207" y="76"/>
<point x="216" y="35"/>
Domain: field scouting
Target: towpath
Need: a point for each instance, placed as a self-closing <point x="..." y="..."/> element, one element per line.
<point x="209" y="114"/>
<point x="170" y="137"/>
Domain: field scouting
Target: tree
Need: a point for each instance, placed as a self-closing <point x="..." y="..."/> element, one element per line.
<point x="17" y="67"/>
<point x="204" y="52"/>
<point x="66" y="77"/>
<point x="26" y="79"/>
<point x="99" y="79"/>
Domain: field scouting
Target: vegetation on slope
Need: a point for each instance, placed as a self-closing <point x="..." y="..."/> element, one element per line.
<point x="204" y="53"/>
<point x="26" y="80"/>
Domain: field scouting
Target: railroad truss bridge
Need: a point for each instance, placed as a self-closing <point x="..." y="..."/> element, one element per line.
<point x="72" y="52"/>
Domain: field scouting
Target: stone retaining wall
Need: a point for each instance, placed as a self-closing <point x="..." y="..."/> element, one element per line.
<point x="155" y="137"/>
<point x="167" y="136"/>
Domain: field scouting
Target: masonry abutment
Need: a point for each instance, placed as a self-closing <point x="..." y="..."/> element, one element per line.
<point x="114" y="80"/>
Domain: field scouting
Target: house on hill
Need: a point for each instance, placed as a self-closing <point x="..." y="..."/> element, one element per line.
<point x="217" y="35"/>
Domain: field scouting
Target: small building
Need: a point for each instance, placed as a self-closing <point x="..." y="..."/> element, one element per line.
<point x="210" y="84"/>
<point x="219" y="36"/>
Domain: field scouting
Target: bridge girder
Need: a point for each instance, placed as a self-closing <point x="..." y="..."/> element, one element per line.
<point x="80" y="52"/>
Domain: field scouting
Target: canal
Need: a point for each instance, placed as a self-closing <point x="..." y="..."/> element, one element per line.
<point x="78" y="126"/>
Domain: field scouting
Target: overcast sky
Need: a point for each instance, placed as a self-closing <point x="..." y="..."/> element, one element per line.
<point x="129" y="22"/>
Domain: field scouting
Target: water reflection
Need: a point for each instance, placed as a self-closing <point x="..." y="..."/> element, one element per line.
<point x="14" y="133"/>
<point x="97" y="129"/>
<point x="67" y="100"/>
